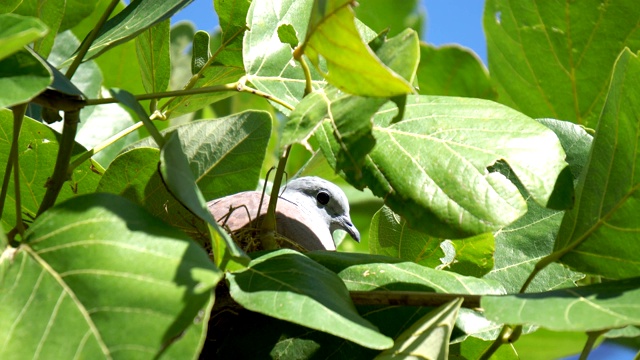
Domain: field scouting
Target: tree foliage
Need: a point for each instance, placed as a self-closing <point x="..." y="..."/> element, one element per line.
<point x="498" y="201"/>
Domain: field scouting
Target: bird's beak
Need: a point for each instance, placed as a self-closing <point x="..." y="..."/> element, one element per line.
<point x="346" y="225"/>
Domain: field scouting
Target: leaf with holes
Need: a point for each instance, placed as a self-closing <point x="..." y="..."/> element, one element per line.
<point x="106" y="279"/>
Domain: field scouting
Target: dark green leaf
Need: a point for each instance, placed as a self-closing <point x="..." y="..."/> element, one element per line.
<point x="589" y="308"/>
<point x="135" y="18"/>
<point x="428" y="337"/>
<point x="599" y="235"/>
<point x="200" y="52"/>
<point x="287" y="35"/>
<point x="17" y="31"/>
<point x="152" y="47"/>
<point x="75" y="11"/>
<point x="394" y="15"/>
<point x="98" y="277"/>
<point x="554" y="59"/>
<point x="289" y="286"/>
<point x="23" y="76"/>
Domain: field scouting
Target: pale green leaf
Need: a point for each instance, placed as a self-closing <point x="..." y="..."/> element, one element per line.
<point x="428" y="337"/>
<point x="600" y="234"/>
<point x="98" y="277"/>
<point x="392" y="15"/>
<point x="289" y="286"/>
<point x="152" y="47"/>
<point x="17" y="31"/>
<point x="590" y="308"/>
<point x="351" y="65"/>
<point x="554" y="59"/>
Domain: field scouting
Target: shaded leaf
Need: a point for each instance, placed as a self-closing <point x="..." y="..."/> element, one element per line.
<point x="287" y="285"/>
<point x="394" y="15"/>
<point x="428" y="337"/>
<point x="599" y="235"/>
<point x="50" y="12"/>
<point x="453" y="70"/>
<point x="38" y="147"/>
<point x="25" y="75"/>
<point x="200" y="52"/>
<point x="75" y="11"/>
<point x="554" y="59"/>
<point x="589" y="308"/>
<point x="103" y="277"/>
<point x="473" y="348"/>
<point x="432" y="167"/>
<point x="152" y="47"/>
<point x="17" y="31"/>
<point x="351" y="65"/>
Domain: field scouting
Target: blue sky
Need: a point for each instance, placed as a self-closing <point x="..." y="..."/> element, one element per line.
<point x="446" y="24"/>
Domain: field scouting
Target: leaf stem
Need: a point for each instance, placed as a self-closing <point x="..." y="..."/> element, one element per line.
<point x="507" y="335"/>
<point x="93" y="34"/>
<point x="244" y="88"/>
<point x="166" y="94"/>
<point x="308" y="89"/>
<point x="60" y="171"/>
<point x="411" y="298"/>
<point x="268" y="226"/>
<point x="18" y="118"/>
<point x="96" y="149"/>
<point x="591" y="341"/>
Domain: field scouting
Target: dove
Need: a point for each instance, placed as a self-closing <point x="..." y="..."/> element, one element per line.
<point x="308" y="211"/>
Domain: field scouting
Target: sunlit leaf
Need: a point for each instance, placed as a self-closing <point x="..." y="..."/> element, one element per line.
<point x="50" y="12"/>
<point x="98" y="277"/>
<point x="152" y="47"/>
<point x="554" y="59"/>
<point x="600" y="234"/>
<point x="17" y="31"/>
<point x="25" y="75"/>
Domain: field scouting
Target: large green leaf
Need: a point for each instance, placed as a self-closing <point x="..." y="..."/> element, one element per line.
<point x="134" y="19"/>
<point x="23" y="76"/>
<point x="351" y="65"/>
<point x="50" y="12"/>
<point x="75" y="11"/>
<point x="38" y="147"/>
<point x="17" y="31"/>
<point x="590" y="308"/>
<point x="453" y="70"/>
<point x="520" y="245"/>
<point x="553" y="59"/>
<point x="98" y="277"/>
<point x="434" y="167"/>
<point x="600" y="234"/>
<point x="152" y="47"/>
<point x="289" y="286"/>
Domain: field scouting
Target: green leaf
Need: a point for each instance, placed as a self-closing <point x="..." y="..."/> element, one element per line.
<point x="473" y="255"/>
<point x="428" y="337"/>
<point x="180" y="181"/>
<point x="134" y="19"/>
<point x="520" y="245"/>
<point x="38" y="147"/>
<point x="152" y="47"/>
<point x="75" y="11"/>
<point x="473" y="348"/>
<point x="25" y="75"/>
<point x="453" y="70"/>
<point x="599" y="235"/>
<point x="17" y="31"/>
<point x="50" y="12"/>
<point x="554" y="59"/>
<point x="351" y="65"/>
<point x="393" y="15"/>
<point x="200" y="52"/>
<point x="8" y="6"/>
<point x="314" y="297"/>
<point x="390" y="235"/>
<point x="98" y="277"/>
<point x="287" y="35"/>
<point x="433" y="166"/>
<point x="589" y="308"/>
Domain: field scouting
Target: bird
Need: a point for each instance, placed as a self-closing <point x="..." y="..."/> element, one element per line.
<point x="309" y="209"/>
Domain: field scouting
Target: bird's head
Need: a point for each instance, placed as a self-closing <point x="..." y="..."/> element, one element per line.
<point x="324" y="199"/>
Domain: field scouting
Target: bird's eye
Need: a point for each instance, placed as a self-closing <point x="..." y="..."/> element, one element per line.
<point x="323" y="198"/>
